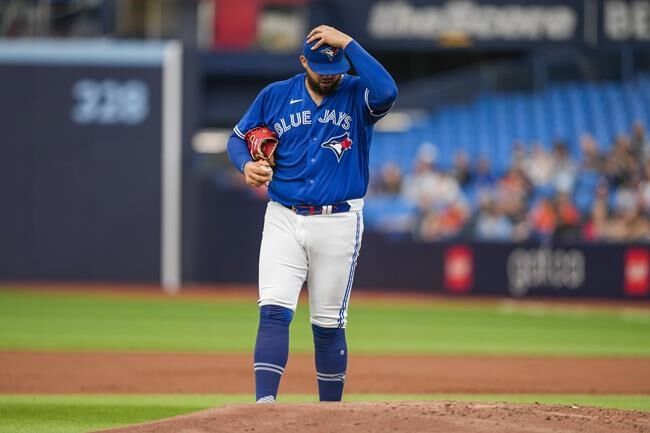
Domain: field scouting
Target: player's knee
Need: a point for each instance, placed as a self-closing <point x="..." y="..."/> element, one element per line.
<point x="325" y="338"/>
<point x="329" y="318"/>
<point x="275" y="315"/>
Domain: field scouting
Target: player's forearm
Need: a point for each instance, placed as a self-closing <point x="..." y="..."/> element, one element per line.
<point x="238" y="152"/>
<point x="382" y="90"/>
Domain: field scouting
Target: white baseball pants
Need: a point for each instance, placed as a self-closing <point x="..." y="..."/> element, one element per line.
<point x="319" y="249"/>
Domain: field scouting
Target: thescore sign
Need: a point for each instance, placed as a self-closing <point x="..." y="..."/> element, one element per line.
<point x="483" y="22"/>
<point x="487" y="24"/>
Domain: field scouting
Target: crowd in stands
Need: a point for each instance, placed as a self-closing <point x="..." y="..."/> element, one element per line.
<point x="545" y="195"/>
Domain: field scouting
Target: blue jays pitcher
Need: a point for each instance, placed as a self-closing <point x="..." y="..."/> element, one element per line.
<point x="313" y="224"/>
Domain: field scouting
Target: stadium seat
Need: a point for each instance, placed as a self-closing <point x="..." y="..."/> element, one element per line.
<point x="491" y="123"/>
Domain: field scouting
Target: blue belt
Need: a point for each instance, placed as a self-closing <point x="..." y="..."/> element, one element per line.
<point x="305" y="209"/>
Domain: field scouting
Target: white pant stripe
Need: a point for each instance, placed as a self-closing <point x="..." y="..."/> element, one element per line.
<point x="355" y="255"/>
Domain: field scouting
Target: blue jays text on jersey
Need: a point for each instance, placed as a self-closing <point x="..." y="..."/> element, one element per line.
<point x="323" y="151"/>
<point x="304" y="118"/>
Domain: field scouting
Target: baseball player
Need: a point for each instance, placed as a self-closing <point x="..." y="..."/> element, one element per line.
<point x="317" y="177"/>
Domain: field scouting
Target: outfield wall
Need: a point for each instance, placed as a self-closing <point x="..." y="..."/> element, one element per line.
<point x="93" y="138"/>
<point x="230" y="227"/>
<point x="519" y="270"/>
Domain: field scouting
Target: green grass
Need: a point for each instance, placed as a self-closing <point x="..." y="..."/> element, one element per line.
<point x="81" y="413"/>
<point x="62" y="322"/>
<point x="35" y="321"/>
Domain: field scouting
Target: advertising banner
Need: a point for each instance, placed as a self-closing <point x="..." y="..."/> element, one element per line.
<point x="609" y="271"/>
<point x="428" y="25"/>
<point x="637" y="272"/>
<point x="504" y="269"/>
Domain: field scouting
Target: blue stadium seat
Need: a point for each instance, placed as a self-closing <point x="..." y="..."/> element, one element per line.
<point x="493" y="121"/>
<point x="390" y="213"/>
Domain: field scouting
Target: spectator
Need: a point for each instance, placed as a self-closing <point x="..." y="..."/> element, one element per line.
<point x="543" y="219"/>
<point x="596" y="227"/>
<point x="429" y="187"/>
<point x="518" y="155"/>
<point x="418" y="187"/>
<point x="626" y="199"/>
<point x="441" y="224"/>
<point x="428" y="228"/>
<point x="462" y="170"/>
<point x="389" y="181"/>
<point x="629" y="226"/>
<point x="491" y="223"/>
<point x="592" y="160"/>
<point x="483" y="178"/>
<point x="538" y="166"/>
<point x="637" y="226"/>
<point x="620" y="163"/>
<point x="564" y="170"/>
<point x="567" y="226"/>
<point x="644" y="190"/>
<point x="640" y="143"/>
<point x="513" y="192"/>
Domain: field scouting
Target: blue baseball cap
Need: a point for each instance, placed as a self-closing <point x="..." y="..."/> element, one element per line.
<point x="325" y="60"/>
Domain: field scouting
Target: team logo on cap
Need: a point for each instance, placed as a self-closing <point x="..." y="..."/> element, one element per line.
<point x="338" y="145"/>
<point x="330" y="52"/>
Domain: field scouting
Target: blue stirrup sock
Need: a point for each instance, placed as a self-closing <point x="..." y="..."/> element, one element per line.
<point x="271" y="351"/>
<point x="331" y="352"/>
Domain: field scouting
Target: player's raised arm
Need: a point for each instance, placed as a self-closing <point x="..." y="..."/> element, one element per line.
<point x="382" y="90"/>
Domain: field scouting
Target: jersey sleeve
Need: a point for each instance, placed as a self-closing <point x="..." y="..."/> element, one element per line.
<point x="372" y="114"/>
<point x="238" y="152"/>
<point x="253" y="117"/>
<point x="378" y="89"/>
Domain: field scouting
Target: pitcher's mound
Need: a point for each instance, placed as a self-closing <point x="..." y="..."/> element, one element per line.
<point x="392" y="417"/>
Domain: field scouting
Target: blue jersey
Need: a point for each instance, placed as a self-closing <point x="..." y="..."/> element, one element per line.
<point x="323" y="150"/>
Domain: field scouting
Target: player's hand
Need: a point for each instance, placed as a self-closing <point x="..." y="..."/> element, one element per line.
<point x="328" y="35"/>
<point x="257" y="173"/>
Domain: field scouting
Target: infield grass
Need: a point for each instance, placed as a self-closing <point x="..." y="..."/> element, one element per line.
<point x="82" y="413"/>
<point x="64" y="322"/>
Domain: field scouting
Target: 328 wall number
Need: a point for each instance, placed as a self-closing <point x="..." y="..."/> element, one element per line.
<point x="110" y="102"/>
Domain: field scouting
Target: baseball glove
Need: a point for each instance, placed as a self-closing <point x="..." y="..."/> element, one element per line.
<point x="262" y="143"/>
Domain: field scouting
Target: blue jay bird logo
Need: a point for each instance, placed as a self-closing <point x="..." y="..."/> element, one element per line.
<point x="330" y="52"/>
<point x="338" y="145"/>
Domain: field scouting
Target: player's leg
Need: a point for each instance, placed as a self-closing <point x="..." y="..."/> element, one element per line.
<point x="283" y="269"/>
<point x="334" y="242"/>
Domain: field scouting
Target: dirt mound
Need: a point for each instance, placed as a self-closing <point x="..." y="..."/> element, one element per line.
<point x="411" y="417"/>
